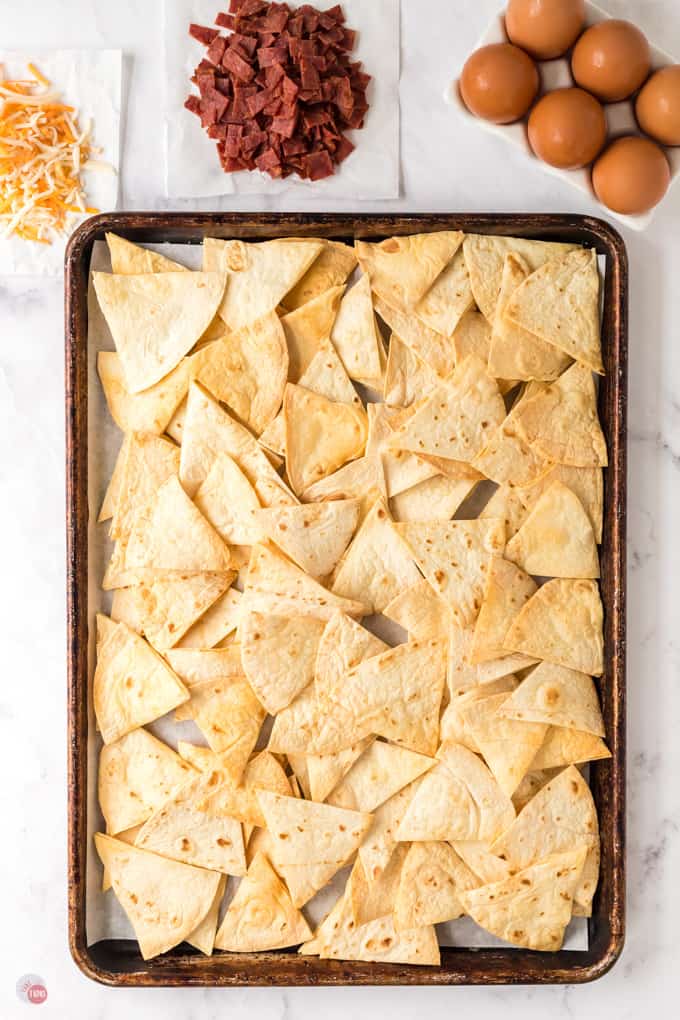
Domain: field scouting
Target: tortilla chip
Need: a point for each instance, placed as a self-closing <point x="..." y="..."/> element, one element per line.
<point x="454" y="722"/>
<point x="458" y="799"/>
<point x="454" y="556"/>
<point x="278" y="655"/>
<point x="507" y="504"/>
<point x="556" y="538"/>
<point x="229" y="502"/>
<point x="150" y="461"/>
<point x="372" y="900"/>
<point x="560" y="304"/>
<point x="376" y="566"/>
<point x="321" y="436"/>
<point x="133" y="685"/>
<point x="261" y="915"/>
<point x="259" y="275"/>
<point x="436" y="351"/>
<point x="203" y="936"/>
<point x="562" y="623"/>
<point x="431" y="878"/>
<point x="149" y="411"/>
<point x="230" y="718"/>
<point x="420" y="611"/>
<point x="558" y="696"/>
<point x="586" y="483"/>
<point x="104" y="629"/>
<point x="509" y="458"/>
<point x="326" y="770"/>
<point x="275" y="585"/>
<point x="313" y="535"/>
<point x="381" y="839"/>
<point x="532" y="908"/>
<point x="402" y="269"/>
<point x="507" y="589"/>
<point x="487" y="867"/>
<point x="112" y="494"/>
<point x="311" y="841"/>
<point x="569" y="747"/>
<point x="128" y="258"/>
<point x="216" y="624"/>
<point x="435" y="499"/>
<point x="330" y="269"/>
<point x="449" y="297"/>
<point x="164" y="900"/>
<point x="407" y="378"/>
<point x="239" y="799"/>
<point x="156" y="318"/>
<point x="401" y="469"/>
<point x="515" y="353"/>
<point x="195" y="666"/>
<point x="355" y="334"/>
<point x="381" y="771"/>
<point x="484" y="257"/>
<point x="308" y="330"/>
<point x="507" y="745"/>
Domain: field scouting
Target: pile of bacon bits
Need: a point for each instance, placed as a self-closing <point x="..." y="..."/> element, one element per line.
<point x="279" y="91"/>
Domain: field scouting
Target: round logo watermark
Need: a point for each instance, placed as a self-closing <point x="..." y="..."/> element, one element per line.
<point x="31" y="989"/>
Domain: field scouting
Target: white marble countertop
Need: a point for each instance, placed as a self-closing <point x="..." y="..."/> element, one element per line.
<point x="446" y="166"/>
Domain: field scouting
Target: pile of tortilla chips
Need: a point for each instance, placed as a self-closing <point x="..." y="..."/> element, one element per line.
<point x="315" y="436"/>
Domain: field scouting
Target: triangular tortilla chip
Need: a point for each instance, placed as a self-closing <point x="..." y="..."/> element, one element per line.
<point x="361" y="479"/>
<point x="355" y="334"/>
<point x="230" y="718"/>
<point x="560" y="817"/>
<point x="330" y="269"/>
<point x="556" y="538"/>
<point x="259" y="275"/>
<point x="454" y="556"/>
<point x="156" y="318"/>
<point x="314" y="535"/>
<point x="164" y="900"/>
<point x="149" y="411"/>
<point x="434" y="350"/>
<point x="458" y="418"/>
<point x="458" y="799"/>
<point x="261" y="915"/>
<point x="401" y="469"/>
<point x="407" y="378"/>
<point x="585" y="482"/>
<point x="239" y="799"/>
<point x="454" y="724"/>
<point x="420" y="611"/>
<point x="216" y="624"/>
<point x="530" y="785"/>
<point x="278" y="655"/>
<point x="191" y="827"/>
<point x="229" y="502"/>
<point x="112" y="494"/>
<point x="561" y="422"/>
<point x="308" y="330"/>
<point x="105" y="627"/>
<point x="402" y="269"/>
<point x="508" y="746"/>
<point x="449" y="297"/>
<point x="128" y="258"/>
<point x="203" y="936"/>
<point x="133" y="685"/>
<point x="509" y="458"/>
<point x="381" y="771"/>
<point x="321" y="436"/>
<point x="515" y="353"/>
<point x="560" y="304"/>
<point x="166" y="608"/>
<point x="487" y="867"/>
<point x="275" y="585"/>
<point x="431" y="878"/>
<point x="195" y="666"/>
<point x="484" y="256"/>
<point x="434" y="499"/>
<point x="311" y="841"/>
<point x="532" y="908"/>
<point x="376" y="566"/>
<point x="506" y="504"/>
<point x="150" y="461"/>
<point x="562" y="623"/>
<point x="506" y="591"/>
<point x="372" y="900"/>
<point x="569" y="747"/>
<point x="136" y="775"/>
<point x="326" y="770"/>
<point x="559" y="696"/>
<point x="174" y="535"/>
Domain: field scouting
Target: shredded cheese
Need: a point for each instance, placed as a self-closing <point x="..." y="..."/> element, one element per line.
<point x="42" y="153"/>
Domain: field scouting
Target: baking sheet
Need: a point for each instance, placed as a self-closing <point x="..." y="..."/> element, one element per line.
<point x="105" y="919"/>
<point x="372" y="171"/>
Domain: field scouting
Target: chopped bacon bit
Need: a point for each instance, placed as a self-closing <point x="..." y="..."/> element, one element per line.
<point x="203" y="34"/>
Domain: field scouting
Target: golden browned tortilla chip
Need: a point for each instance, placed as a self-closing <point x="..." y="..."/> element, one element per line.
<point x="372" y="900"/>
<point x="401" y="468"/>
<point x="128" y="258"/>
<point x="443" y="305"/>
<point x="507" y="745"/>
<point x="506" y="504"/>
<point x="278" y="655"/>
<point x="509" y="458"/>
<point x="330" y="269"/>
<point x="229" y="502"/>
<point x="559" y="696"/>
<point x="150" y="410"/>
<point x="230" y="718"/>
<point x="507" y="589"/>
<point x="434" y="350"/>
<point x="407" y="378"/>
<point x="402" y="269"/>
<point x="321" y="436"/>
<point x="112" y="494"/>
<point x="454" y="723"/>
<point x="569" y="747"/>
<point x="150" y="461"/>
<point x="585" y="482"/>
<point x="313" y="535"/>
<point x="216" y="624"/>
<point x="434" y="499"/>
<point x="308" y="330"/>
<point x="431" y="878"/>
<point x="556" y="538"/>
<point x="355" y="334"/>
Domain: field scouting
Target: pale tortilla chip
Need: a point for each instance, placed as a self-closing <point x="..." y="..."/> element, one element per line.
<point x="133" y="685"/>
<point x="105" y="627"/>
<point x="454" y="724"/>
<point x="372" y="900"/>
<point x="278" y="655"/>
<point x="313" y="535"/>
<point x="532" y="908"/>
<point x="321" y="436"/>
<point x="220" y="621"/>
<point x="203" y="936"/>
<point x="195" y="666"/>
<point x="381" y="771"/>
<point x="308" y="330"/>
<point x="407" y="378"/>
<point x="261" y="915"/>
<point x="381" y="839"/>
<point x="486" y="866"/>
<point x="507" y="504"/>
<point x="376" y="566"/>
<point x="556" y="538"/>
<point x="530" y="785"/>
<point x="443" y="305"/>
<point x="402" y="470"/>
<point x="569" y="747"/>
<point x="355" y="334"/>
<point x="326" y="770"/>
<point x="150" y="461"/>
<point x="435" y="499"/>
<point x="402" y="269"/>
<point x="560" y="304"/>
<point x="562" y="623"/>
<point x="273" y="439"/>
<point x="164" y="900"/>
<point x="239" y="799"/>
<point x="156" y="318"/>
<point x="431" y="878"/>
<point x="458" y="799"/>
<point x="585" y="482"/>
<point x="436" y="351"/>
<point x="558" y="696"/>
<point x="230" y="718"/>
<point x="454" y="556"/>
<point x="128" y="258"/>
<point x="509" y="458"/>
<point x="507" y="589"/>
<point x="420" y="611"/>
<point x="229" y="502"/>
<point x="259" y="275"/>
<point x="508" y="746"/>
<point x="112" y="494"/>
<point x="166" y="608"/>
<point x="330" y="269"/>
<point x="361" y="479"/>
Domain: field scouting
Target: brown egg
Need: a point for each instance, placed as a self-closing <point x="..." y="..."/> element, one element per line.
<point x="632" y="175"/>
<point x="499" y="83"/>
<point x="567" y="128"/>
<point x="658" y="106"/>
<point x="611" y="60"/>
<point x="544" y="28"/>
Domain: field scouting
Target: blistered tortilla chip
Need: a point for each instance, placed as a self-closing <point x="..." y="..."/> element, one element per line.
<point x="355" y="334"/>
<point x="508" y="746"/>
<point x="420" y="611"/>
<point x="330" y="269"/>
<point x="381" y="771"/>
<point x="486" y="866"/>
<point x="313" y="535"/>
<point x="585" y="482"/>
<point x="509" y="458"/>
<point x="454" y="556"/>
<point x="196" y="665"/>
<point x="261" y="915"/>
<point x="431" y="878"/>
<point x="229" y="502"/>
<point x="156" y="318"/>
<point x="434" y="350"/>
<point x="128" y="258"/>
<point x="454" y="724"/>
<point x="203" y="936"/>
<point x="230" y="718"/>
<point x="381" y="839"/>
<point x="259" y="275"/>
<point x="532" y="908"/>
<point x="560" y="304"/>
<point x="308" y="329"/>
<point x="239" y="799"/>
<point x="372" y="900"/>
<point x="434" y="499"/>
<point x="150" y="461"/>
<point x="558" y="696"/>
<point x="133" y="685"/>
<point x="112" y="494"/>
<point x="507" y="589"/>
<point x="326" y="770"/>
<point x="407" y="378"/>
<point x="507" y="504"/>
<point x="402" y="269"/>
<point x="275" y="585"/>
<point x="569" y="747"/>
<point x="562" y="623"/>
<point x="402" y="469"/>
<point x="278" y="655"/>
<point x="376" y="566"/>
<point x="321" y="436"/>
<point x="216" y="624"/>
<point x="361" y="479"/>
<point x="556" y="538"/>
<point x="164" y="900"/>
<point x="449" y="297"/>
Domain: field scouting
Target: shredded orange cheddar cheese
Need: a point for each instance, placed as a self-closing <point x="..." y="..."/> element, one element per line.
<point x="42" y="153"/>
